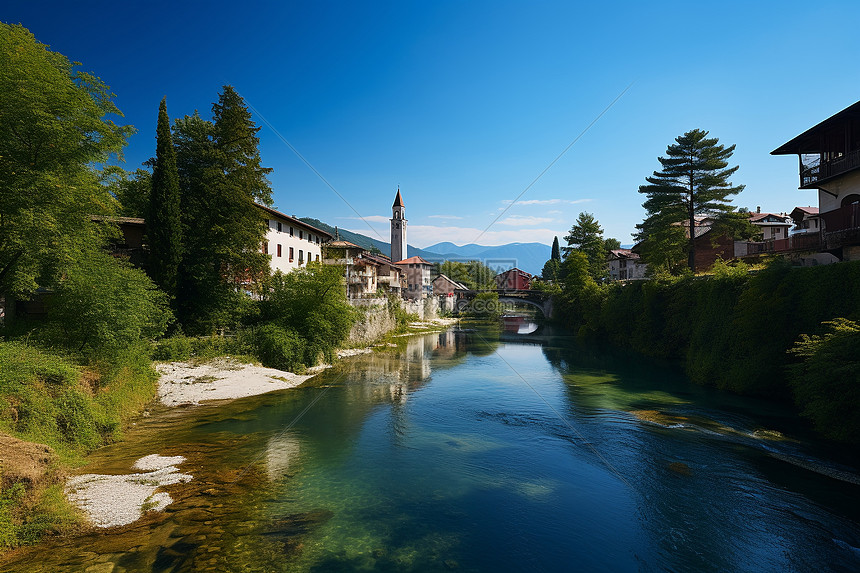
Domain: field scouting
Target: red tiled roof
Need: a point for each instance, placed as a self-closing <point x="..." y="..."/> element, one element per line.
<point x="414" y="261"/>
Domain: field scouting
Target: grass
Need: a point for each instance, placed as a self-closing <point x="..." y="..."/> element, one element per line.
<point x="49" y="397"/>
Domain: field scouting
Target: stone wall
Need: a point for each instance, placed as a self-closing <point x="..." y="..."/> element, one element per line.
<point x="426" y="309"/>
<point x="374" y="322"/>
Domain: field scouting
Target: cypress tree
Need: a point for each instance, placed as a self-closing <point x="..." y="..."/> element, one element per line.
<point x="694" y="180"/>
<point x="556" y="252"/>
<point x="164" y="226"/>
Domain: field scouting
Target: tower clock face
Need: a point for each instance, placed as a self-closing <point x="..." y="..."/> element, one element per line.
<point x="396" y="225"/>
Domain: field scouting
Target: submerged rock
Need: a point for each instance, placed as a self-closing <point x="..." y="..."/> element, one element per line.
<point x="680" y="468"/>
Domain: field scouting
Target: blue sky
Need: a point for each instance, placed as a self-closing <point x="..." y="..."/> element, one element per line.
<point x="463" y="104"/>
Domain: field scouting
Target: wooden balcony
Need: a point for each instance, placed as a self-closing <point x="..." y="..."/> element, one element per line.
<point x="812" y="174"/>
<point x="842" y="226"/>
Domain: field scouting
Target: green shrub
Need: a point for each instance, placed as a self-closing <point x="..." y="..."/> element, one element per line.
<point x="173" y="349"/>
<point x="826" y="383"/>
<point x="731" y="329"/>
<point x="278" y="347"/>
<point x="104" y="304"/>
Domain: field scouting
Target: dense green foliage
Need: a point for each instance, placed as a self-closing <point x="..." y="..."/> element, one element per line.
<point x="731" y="330"/>
<point x="164" y="225"/>
<point x="311" y="302"/>
<point x="473" y="274"/>
<point x="551" y="270"/>
<point x="220" y="179"/>
<point x="693" y="180"/>
<point x="827" y="382"/>
<point x="104" y="305"/>
<point x="586" y="237"/>
<point x="54" y="127"/>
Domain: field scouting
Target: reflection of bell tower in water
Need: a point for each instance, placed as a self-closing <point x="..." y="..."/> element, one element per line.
<point x="398" y="229"/>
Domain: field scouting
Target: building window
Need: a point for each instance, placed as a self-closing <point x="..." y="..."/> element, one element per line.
<point x="291" y="254"/>
<point x="291" y="231"/>
<point x="265" y="247"/>
<point x="318" y="258"/>
<point x="279" y="227"/>
<point x="279" y="250"/>
<point x="301" y="255"/>
<point x="301" y="234"/>
<point x="318" y="240"/>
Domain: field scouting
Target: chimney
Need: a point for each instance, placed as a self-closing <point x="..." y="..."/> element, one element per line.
<point x="758" y="209"/>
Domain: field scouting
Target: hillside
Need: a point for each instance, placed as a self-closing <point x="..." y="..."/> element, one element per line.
<point x="529" y="257"/>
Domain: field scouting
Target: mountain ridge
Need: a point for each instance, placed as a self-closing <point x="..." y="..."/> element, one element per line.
<point x="529" y="257"/>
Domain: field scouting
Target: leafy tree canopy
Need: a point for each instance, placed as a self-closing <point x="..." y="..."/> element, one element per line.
<point x="55" y="129"/>
<point x="473" y="274"/>
<point x="586" y="237"/>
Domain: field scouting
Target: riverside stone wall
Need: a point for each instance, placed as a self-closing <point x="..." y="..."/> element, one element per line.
<point x="374" y="322"/>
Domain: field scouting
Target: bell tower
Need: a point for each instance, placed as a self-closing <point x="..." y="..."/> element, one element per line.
<point x="398" y="229"/>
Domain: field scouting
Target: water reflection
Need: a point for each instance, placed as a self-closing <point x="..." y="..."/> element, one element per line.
<point x="436" y="456"/>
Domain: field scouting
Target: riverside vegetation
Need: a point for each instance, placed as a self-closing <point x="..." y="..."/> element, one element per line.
<point x="787" y="333"/>
<point x="73" y="377"/>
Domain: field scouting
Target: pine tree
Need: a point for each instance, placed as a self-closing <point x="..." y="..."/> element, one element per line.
<point x="220" y="179"/>
<point x="556" y="253"/>
<point x="164" y="225"/>
<point x="586" y="236"/>
<point x="694" y="180"/>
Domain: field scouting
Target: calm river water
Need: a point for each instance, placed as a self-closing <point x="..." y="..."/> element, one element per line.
<point x="460" y="451"/>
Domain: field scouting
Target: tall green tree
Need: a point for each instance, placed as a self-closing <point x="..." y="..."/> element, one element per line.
<point x="556" y="253"/>
<point x="164" y="225"/>
<point x="221" y="178"/>
<point x="586" y="236"/>
<point x="56" y="130"/>
<point x="694" y="180"/>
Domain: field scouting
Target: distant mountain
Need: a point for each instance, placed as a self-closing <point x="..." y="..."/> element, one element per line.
<point x="369" y="242"/>
<point x="529" y="257"/>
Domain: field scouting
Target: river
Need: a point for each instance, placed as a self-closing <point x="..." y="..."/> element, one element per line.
<point x="480" y="451"/>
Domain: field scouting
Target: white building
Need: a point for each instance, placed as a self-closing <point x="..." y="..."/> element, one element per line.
<point x="773" y="226"/>
<point x="829" y="161"/>
<point x="624" y="265"/>
<point x="291" y="243"/>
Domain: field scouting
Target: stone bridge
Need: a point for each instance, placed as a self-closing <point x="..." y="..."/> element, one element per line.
<point x="535" y="298"/>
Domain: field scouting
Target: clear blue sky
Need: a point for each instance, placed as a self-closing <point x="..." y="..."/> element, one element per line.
<point x="463" y="104"/>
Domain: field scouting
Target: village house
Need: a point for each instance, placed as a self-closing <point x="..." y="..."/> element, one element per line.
<point x="366" y="274"/>
<point x="291" y="243"/>
<point x="624" y="264"/>
<point x="418" y="282"/>
<point x="443" y="285"/>
<point x="513" y="279"/>
<point x="773" y="226"/>
<point x="829" y="159"/>
<point x="391" y="279"/>
<point x="806" y="221"/>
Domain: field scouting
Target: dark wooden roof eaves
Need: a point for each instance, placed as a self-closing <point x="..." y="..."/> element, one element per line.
<point x="294" y="221"/>
<point x="809" y="141"/>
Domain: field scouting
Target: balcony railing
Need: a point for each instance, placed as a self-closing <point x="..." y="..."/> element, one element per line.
<point x="842" y="219"/>
<point x="813" y="173"/>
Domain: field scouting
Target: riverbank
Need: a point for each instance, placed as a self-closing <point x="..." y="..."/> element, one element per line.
<point x="114" y="500"/>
